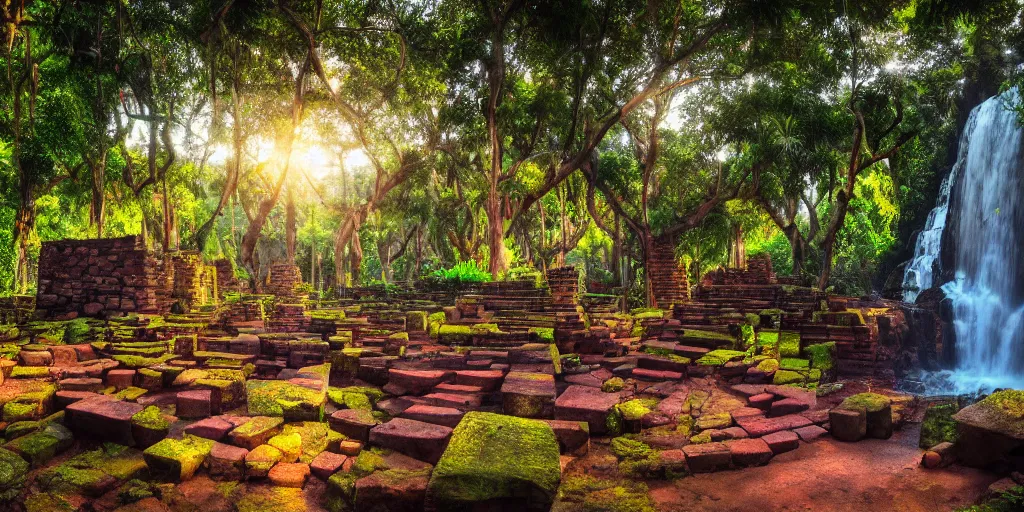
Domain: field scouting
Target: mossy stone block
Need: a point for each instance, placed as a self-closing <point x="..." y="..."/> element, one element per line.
<point x="290" y="446"/>
<point x="13" y="470"/>
<point x="493" y="457"/>
<point x="176" y="460"/>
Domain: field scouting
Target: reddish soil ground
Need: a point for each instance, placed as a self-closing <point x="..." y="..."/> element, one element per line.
<point x="870" y="475"/>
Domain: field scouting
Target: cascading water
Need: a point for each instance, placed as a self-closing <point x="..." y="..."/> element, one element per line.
<point x="986" y="293"/>
<point x="920" y="273"/>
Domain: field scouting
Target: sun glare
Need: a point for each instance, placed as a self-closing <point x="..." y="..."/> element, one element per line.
<point x="356" y="158"/>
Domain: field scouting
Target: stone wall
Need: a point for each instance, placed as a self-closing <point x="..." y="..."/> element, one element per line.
<point x="283" y="280"/>
<point x="195" y="283"/>
<point x="100" y="277"/>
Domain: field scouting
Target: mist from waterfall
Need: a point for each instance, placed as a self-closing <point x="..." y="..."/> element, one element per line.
<point x="986" y="292"/>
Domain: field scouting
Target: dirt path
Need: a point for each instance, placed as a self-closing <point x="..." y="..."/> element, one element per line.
<point x="871" y="475"/>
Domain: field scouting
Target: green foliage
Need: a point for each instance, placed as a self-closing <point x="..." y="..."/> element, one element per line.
<point x="463" y="273"/>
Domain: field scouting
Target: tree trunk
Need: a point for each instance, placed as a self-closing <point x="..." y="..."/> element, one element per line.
<point x="356" y="256"/>
<point x="97" y="210"/>
<point x="496" y="233"/>
<point x="737" y="248"/>
<point x="290" y="226"/>
<point x="828" y="244"/>
<point x="166" y="240"/>
<point x="24" y="223"/>
<point x="647" y="252"/>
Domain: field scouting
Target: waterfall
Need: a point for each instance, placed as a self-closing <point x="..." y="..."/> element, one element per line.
<point x="919" y="274"/>
<point x="986" y="293"/>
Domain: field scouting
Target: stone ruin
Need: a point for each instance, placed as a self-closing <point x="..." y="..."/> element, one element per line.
<point x="417" y="400"/>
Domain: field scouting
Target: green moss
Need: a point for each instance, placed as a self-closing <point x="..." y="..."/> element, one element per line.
<point x="784" y="377"/>
<point x="289" y="444"/>
<point x="791" y="363"/>
<point x="13" y="471"/>
<point x="16" y="411"/>
<point x="271" y="498"/>
<point x="768" y="365"/>
<point x="130" y="394"/>
<point x="870" y="402"/>
<point x="613" y="385"/>
<point x="133" y="491"/>
<point x="720" y="357"/>
<point x="1008" y="402"/>
<point x="938" y="425"/>
<point x="30" y="372"/>
<point x="544" y="334"/>
<point x="175" y="460"/>
<point x="261" y="459"/>
<point x="583" y="493"/>
<point x="789" y="344"/>
<point x="45" y="502"/>
<point x="714" y="421"/>
<point x="626" y="448"/>
<point x="136" y="362"/>
<point x="284" y="399"/>
<point x="822" y="355"/>
<point x="701" y="438"/>
<point x="613" y="422"/>
<point x="642" y="314"/>
<point x="493" y="456"/>
<point x="151" y="418"/>
<point x="315" y="438"/>
<point x="633" y="410"/>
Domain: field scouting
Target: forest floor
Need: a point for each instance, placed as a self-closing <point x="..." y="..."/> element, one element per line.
<point x="831" y="475"/>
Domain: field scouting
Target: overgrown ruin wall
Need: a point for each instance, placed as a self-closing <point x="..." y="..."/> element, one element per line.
<point x="101" y="277"/>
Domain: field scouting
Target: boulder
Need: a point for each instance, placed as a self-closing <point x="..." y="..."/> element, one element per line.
<point x="502" y="460"/>
<point x="989" y="430"/>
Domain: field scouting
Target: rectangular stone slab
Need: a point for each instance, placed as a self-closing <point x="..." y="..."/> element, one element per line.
<point x="103" y="418"/>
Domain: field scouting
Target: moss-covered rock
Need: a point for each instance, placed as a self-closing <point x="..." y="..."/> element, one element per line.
<point x="41" y="446"/>
<point x="626" y="448"/>
<point x="94" y="472"/>
<point x="13" y="470"/>
<point x="720" y="357"/>
<point x="613" y="385"/>
<point x="290" y="446"/>
<point x="256" y="431"/>
<point x="261" y="459"/>
<point x="789" y="344"/>
<point x="416" y="321"/>
<point x="176" y="460"/>
<point x="497" y="457"/>
<point x="768" y="366"/>
<point x="938" y="425"/>
<point x="284" y="399"/>
<point x="149" y="426"/>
